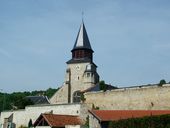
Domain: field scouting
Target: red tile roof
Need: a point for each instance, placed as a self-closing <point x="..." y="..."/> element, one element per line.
<point x="113" y="115"/>
<point x="55" y="120"/>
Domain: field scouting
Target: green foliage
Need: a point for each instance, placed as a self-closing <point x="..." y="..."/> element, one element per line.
<point x="16" y="100"/>
<point x="162" y="121"/>
<point x="22" y="102"/>
<point x="110" y="125"/>
<point x="162" y="82"/>
<point x="95" y="107"/>
<point x="30" y="124"/>
<point x="87" y="122"/>
<point x="82" y="97"/>
<point x="50" y="92"/>
<point x="102" y="85"/>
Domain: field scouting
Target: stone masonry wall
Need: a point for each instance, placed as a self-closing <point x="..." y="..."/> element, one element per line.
<point x="144" y="98"/>
<point x="61" y="96"/>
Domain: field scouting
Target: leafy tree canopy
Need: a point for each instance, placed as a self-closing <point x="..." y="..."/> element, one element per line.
<point x="162" y="82"/>
<point x="17" y="100"/>
<point x="102" y="85"/>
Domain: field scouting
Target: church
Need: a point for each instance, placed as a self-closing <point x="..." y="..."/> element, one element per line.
<point x="66" y="104"/>
<point x="67" y="108"/>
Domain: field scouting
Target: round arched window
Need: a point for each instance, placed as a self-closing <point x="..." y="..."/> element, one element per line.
<point x="76" y="97"/>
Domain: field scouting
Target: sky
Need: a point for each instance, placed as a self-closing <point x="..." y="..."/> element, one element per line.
<point x="130" y="39"/>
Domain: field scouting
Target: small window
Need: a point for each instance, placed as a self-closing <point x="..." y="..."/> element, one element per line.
<point x="88" y="74"/>
<point x="92" y="74"/>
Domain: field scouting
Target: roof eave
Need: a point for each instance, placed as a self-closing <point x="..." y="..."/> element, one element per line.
<point x="95" y="115"/>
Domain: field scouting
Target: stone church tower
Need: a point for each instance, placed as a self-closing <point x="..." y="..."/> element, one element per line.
<point x="81" y="72"/>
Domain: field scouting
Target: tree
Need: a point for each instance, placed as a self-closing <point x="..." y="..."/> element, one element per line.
<point x="102" y="85"/>
<point x="17" y="100"/>
<point x="162" y="82"/>
<point x="50" y="92"/>
<point x="22" y="102"/>
<point x="30" y="123"/>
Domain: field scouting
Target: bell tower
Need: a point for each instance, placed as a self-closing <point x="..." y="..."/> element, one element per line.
<point x="82" y="48"/>
<point x="81" y="72"/>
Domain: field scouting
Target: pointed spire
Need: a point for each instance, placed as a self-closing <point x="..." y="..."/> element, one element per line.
<point x="82" y="40"/>
<point x="82" y="51"/>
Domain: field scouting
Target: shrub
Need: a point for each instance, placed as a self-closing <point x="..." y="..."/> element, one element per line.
<point x="162" y="82"/>
<point x="162" y="121"/>
<point x="102" y="85"/>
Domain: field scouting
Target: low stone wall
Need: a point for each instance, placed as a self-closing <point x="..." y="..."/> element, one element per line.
<point x="139" y="98"/>
<point x="22" y="117"/>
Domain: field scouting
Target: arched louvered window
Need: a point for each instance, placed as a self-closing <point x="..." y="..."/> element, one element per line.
<point x="76" y="97"/>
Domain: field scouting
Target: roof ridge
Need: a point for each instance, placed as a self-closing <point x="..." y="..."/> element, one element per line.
<point x="59" y="114"/>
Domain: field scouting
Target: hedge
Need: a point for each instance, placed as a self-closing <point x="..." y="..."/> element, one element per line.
<point x="162" y="121"/>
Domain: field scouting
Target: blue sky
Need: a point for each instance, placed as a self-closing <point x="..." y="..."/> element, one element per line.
<point x="130" y="38"/>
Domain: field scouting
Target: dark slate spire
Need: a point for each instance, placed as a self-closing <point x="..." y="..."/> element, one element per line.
<point x="82" y="40"/>
<point x="82" y="51"/>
